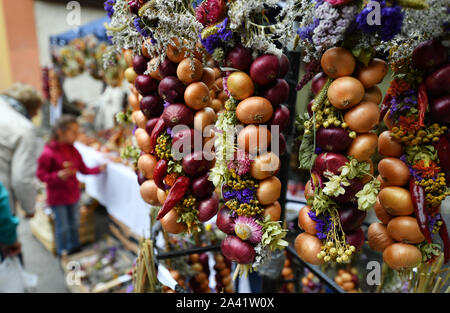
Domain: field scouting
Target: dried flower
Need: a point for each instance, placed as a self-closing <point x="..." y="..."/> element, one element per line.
<point x="247" y="228"/>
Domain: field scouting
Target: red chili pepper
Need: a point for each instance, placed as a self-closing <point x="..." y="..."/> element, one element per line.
<point x="420" y="208"/>
<point x="443" y="232"/>
<point x="157" y="130"/>
<point x="422" y="100"/>
<point x="176" y="193"/>
<point x="159" y="172"/>
<point x="385" y="106"/>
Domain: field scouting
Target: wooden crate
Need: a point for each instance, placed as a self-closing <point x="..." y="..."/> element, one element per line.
<point x="124" y="234"/>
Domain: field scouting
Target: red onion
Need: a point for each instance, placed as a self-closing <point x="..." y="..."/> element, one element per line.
<point x="145" y="85"/>
<point x="278" y="93"/>
<point x="171" y="89"/>
<point x="351" y="218"/>
<point x="333" y="139"/>
<point x="167" y="68"/>
<point x="177" y="114"/>
<point x="202" y="187"/>
<point x="183" y="141"/>
<point x="437" y="84"/>
<point x="356" y="238"/>
<point x="284" y="66"/>
<point x="429" y="54"/>
<point x="440" y="109"/>
<point x="152" y="106"/>
<point x="139" y="64"/>
<point x="150" y="125"/>
<point x="329" y="161"/>
<point x="239" y="57"/>
<point x="237" y="250"/>
<point x="350" y="191"/>
<point x="281" y="117"/>
<point x="282" y="148"/>
<point x="318" y="81"/>
<point x="224" y="220"/>
<point x="264" y="70"/>
<point x="140" y="177"/>
<point x="208" y="208"/>
<point x="195" y="164"/>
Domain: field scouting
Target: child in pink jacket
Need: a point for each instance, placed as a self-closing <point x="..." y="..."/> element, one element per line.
<point x="57" y="167"/>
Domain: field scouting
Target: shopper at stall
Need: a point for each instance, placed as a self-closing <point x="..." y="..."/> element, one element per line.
<point x="9" y="246"/>
<point x="18" y="145"/>
<point x="57" y="167"/>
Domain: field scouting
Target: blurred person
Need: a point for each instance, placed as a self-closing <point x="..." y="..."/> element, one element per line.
<point x="57" y="167"/>
<point x="18" y="145"/>
<point x="9" y="246"/>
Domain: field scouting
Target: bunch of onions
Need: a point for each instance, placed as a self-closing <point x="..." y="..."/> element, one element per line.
<point x="180" y="92"/>
<point x="343" y="115"/>
<point x="256" y="90"/>
<point x="408" y="206"/>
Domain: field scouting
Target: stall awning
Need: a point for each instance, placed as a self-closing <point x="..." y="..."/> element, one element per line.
<point x="93" y="28"/>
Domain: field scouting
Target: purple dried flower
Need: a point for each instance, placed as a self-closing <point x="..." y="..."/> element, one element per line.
<point x="137" y="24"/>
<point x="247" y="228"/>
<point x="108" y="6"/>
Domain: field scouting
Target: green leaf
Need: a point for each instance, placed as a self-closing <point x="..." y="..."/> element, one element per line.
<point x="174" y="167"/>
<point x="414" y="4"/>
<point x="367" y="197"/>
<point x="306" y="153"/>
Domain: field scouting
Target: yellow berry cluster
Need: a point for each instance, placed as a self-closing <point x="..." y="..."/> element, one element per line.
<point x="237" y="183"/>
<point x="247" y="209"/>
<point x="339" y="254"/>
<point x="436" y="227"/>
<point x="327" y="117"/>
<point x="163" y="147"/>
<point x="423" y="136"/>
<point x="435" y="190"/>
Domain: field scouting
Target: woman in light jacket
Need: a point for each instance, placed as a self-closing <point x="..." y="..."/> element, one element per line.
<point x="18" y="145"/>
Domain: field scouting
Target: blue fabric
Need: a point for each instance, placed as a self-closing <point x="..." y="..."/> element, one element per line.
<point x="8" y="222"/>
<point x="67" y="220"/>
<point x="96" y="28"/>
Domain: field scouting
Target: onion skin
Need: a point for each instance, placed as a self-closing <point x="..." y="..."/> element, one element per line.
<point x="150" y="125"/>
<point x="149" y="191"/>
<point x="278" y="93"/>
<point x="402" y="256"/>
<point x="235" y="249"/>
<point x="224" y="221"/>
<point x="363" y="117"/>
<point x="269" y="190"/>
<point x="177" y="114"/>
<point x="337" y="62"/>
<point x="239" y="57"/>
<point x="440" y="109"/>
<point x="145" y="85"/>
<point x="208" y="208"/>
<point x="152" y="106"/>
<point x="405" y="229"/>
<point x="240" y="85"/>
<point x="265" y="69"/>
<point x="329" y="161"/>
<point x="396" y="201"/>
<point x="250" y="141"/>
<point x="254" y="110"/>
<point x="363" y="146"/>
<point x="373" y="94"/>
<point x="381" y="213"/>
<point x="345" y="92"/>
<point x="265" y="165"/>
<point x="318" y="81"/>
<point x="146" y="165"/>
<point x="437" y="83"/>
<point x="171" y="89"/>
<point x="202" y="187"/>
<point x="351" y="218"/>
<point x="355" y="238"/>
<point x="429" y="54"/>
<point x="281" y="117"/>
<point x="170" y="225"/>
<point x="308" y="247"/>
<point x="333" y="139"/>
<point x="372" y="74"/>
<point x="305" y="222"/>
<point x="378" y="237"/>
<point x="388" y="147"/>
<point x="284" y="66"/>
<point x="195" y="164"/>
<point x="394" y="171"/>
<point x="274" y="210"/>
<point x="186" y="74"/>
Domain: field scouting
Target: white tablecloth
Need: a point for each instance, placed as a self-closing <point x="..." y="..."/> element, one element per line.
<point x="116" y="189"/>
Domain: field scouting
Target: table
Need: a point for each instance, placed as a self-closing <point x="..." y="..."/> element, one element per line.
<point x="116" y="189"/>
